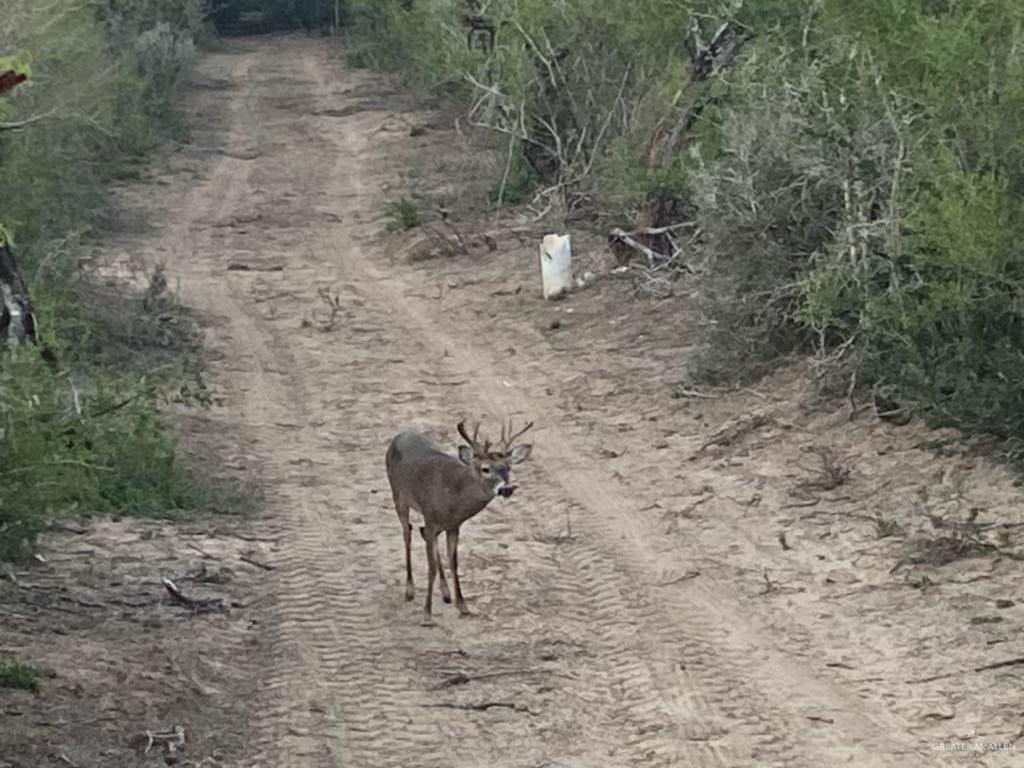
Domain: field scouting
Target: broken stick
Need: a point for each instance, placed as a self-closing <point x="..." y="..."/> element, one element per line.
<point x="215" y="605"/>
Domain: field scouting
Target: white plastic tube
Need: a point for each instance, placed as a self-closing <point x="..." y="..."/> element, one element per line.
<point x="555" y="265"/>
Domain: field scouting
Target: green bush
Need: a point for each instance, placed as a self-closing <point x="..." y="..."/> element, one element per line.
<point x="402" y="214"/>
<point x="84" y="435"/>
<point x="857" y="172"/>
<point x="16" y="675"/>
<point x="71" y="444"/>
<point x="796" y="210"/>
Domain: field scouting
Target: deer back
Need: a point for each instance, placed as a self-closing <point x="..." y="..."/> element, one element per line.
<point x="440" y="486"/>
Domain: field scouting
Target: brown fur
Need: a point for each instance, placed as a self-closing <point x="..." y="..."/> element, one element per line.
<point x="447" y="491"/>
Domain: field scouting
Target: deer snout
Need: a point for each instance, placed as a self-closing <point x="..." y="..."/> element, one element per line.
<point x="505" y="486"/>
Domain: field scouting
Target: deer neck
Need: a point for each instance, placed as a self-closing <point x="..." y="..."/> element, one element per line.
<point x="476" y="494"/>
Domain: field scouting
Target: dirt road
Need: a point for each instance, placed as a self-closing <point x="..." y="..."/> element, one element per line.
<point x="633" y="603"/>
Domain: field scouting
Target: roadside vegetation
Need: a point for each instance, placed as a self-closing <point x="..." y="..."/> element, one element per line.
<point x="838" y="180"/>
<point x="846" y="179"/>
<point x="80" y="427"/>
<point x="22" y="676"/>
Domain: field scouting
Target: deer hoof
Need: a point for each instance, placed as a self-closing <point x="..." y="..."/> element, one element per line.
<point x="410" y="592"/>
<point x="427" y="621"/>
<point x="464" y="611"/>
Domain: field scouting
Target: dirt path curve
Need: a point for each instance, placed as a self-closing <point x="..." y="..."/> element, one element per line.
<point x="582" y="653"/>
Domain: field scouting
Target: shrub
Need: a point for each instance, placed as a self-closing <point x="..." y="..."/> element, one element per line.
<point x="72" y="444"/>
<point x="857" y="175"/>
<point x="16" y="675"/>
<point x="796" y="210"/>
<point x="402" y="214"/>
<point x="86" y="437"/>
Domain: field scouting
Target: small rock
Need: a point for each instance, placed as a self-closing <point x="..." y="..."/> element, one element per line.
<point x="555" y="324"/>
<point x="1004" y="603"/>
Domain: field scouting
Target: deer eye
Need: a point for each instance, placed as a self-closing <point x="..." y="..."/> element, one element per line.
<point x="485" y="470"/>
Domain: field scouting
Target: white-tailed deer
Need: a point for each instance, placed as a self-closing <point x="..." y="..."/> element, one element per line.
<point x="448" y="490"/>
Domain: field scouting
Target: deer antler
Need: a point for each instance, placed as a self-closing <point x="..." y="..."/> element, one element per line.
<point x="506" y="442"/>
<point x="480" y="451"/>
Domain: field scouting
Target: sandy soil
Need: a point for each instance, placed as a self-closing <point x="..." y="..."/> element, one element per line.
<point x="680" y="581"/>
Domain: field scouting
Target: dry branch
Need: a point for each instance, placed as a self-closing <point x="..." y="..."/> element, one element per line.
<point x="1000" y="664"/>
<point x="196" y="605"/>
<point x="736" y="430"/>
<point x="334" y="310"/>
<point x="461" y="678"/>
<point x="830" y="475"/>
<point x="685" y="577"/>
<point x="486" y="705"/>
<point x="172" y="740"/>
<point x="257" y="563"/>
<point x="621" y="236"/>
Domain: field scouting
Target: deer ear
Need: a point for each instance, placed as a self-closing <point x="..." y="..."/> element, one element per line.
<point x="465" y="454"/>
<point x="520" y="453"/>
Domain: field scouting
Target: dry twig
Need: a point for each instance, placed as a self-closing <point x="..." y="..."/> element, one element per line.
<point x="195" y="605"/>
<point x="334" y="309"/>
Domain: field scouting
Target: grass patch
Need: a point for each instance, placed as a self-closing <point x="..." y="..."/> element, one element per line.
<point x="20" y="676"/>
<point x="402" y="214"/>
<point x="84" y="434"/>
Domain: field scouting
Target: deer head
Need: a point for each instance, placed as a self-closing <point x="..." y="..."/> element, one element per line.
<point x="492" y="463"/>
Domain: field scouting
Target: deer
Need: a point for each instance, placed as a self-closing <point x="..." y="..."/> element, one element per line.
<point x="447" y="491"/>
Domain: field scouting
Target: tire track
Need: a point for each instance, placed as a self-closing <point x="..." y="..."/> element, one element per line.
<point x="764" y="706"/>
<point x="642" y="675"/>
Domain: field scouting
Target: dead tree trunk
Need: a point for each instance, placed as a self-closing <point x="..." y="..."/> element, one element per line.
<point x="553" y="120"/>
<point x="17" y="319"/>
<point x="674" y="130"/>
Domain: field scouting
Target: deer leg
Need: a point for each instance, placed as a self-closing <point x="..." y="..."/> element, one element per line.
<point x="452" y="538"/>
<point x="403" y="518"/>
<point x="446" y="594"/>
<point x="430" y="539"/>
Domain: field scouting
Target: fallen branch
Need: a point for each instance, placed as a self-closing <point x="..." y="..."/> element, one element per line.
<point x="685" y="577"/>
<point x="257" y="563"/>
<point x="203" y="552"/>
<point x="1000" y="664"/>
<point x="484" y="706"/>
<point x="799" y="504"/>
<point x="931" y="679"/>
<point x="681" y="392"/>
<point x="461" y="678"/>
<point x="653" y="257"/>
<point x="21" y="124"/>
<point x="197" y="606"/>
<point x="122" y="404"/>
<point x="735" y="431"/>
<point x="237" y="267"/>
<point x="661" y="230"/>
<point x="172" y="740"/>
<point x="334" y="308"/>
